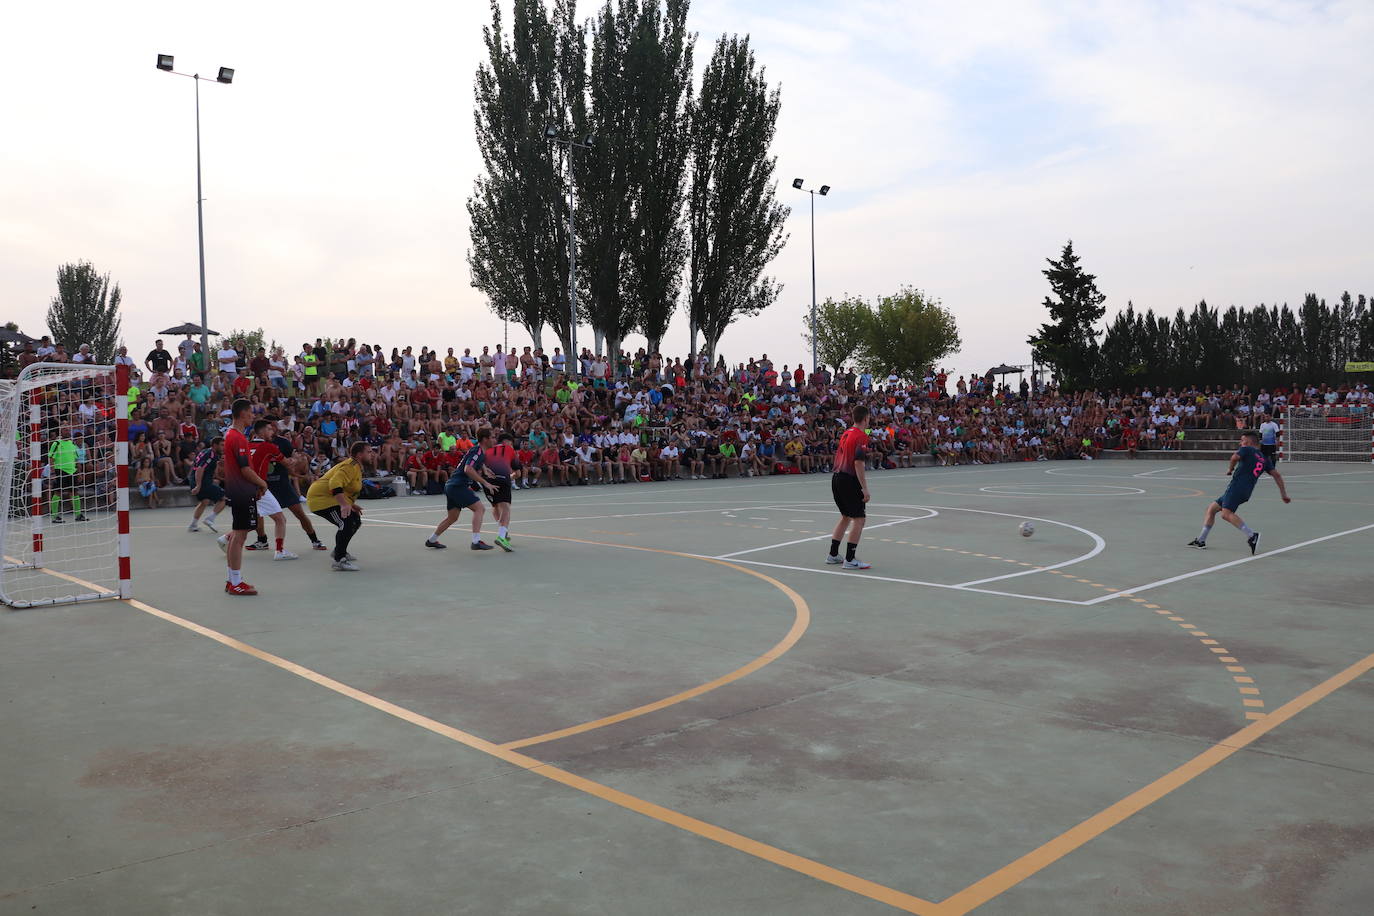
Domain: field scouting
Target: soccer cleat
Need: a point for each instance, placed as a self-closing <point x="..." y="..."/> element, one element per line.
<point x="243" y="588"/>
<point x="1253" y="541"/>
<point x="284" y="555"/>
<point x="80" y="517"/>
<point x="210" y="523"/>
<point x="257" y="545"/>
<point x="832" y="560"/>
<point x="1200" y="545"/>
<point x="857" y="564"/>
<point x="504" y="544"/>
<point x="316" y="545"/>
<point x="193" y="527"/>
<point x="344" y="566"/>
<point x="223" y="542"/>
<point x="431" y="542"/>
<point x="482" y="545"/>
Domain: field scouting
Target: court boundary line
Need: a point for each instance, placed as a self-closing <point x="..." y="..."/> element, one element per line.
<point x="900" y="520"/>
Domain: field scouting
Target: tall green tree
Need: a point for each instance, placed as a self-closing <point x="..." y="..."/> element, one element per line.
<point x="518" y="209"/>
<point x="735" y="220"/>
<point x="843" y="330"/>
<point x="85" y="310"/>
<point x="1068" y="343"/>
<point x="909" y="333"/>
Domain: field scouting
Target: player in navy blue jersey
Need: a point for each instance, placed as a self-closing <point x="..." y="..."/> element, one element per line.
<point x="1248" y="465"/>
<point x="471" y="472"/>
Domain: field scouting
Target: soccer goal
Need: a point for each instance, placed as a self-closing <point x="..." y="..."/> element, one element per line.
<point x="1327" y="434"/>
<point x="64" y="481"/>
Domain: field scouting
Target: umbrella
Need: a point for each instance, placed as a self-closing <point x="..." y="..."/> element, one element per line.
<point x="1004" y="370"/>
<point x="189" y="328"/>
<point x="15" y="337"/>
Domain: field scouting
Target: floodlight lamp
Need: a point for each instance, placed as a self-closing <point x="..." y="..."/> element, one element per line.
<point x="551" y="132"/>
<point x="226" y="75"/>
<point x="797" y="183"/>
<point x="164" y="62"/>
<point x="825" y="189"/>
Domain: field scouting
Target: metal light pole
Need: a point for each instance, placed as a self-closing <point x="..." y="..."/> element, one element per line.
<point x="825" y="189"/>
<point x="226" y="76"/>
<point x="551" y="135"/>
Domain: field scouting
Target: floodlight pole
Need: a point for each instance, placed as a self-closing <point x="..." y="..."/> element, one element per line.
<point x="200" y="242"/>
<point x="825" y="189"/>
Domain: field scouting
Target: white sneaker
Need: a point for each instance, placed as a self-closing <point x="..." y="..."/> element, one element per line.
<point x="857" y="564"/>
<point x="284" y="555"/>
<point x="344" y="566"/>
<point x="832" y="560"/>
<point x="349" y="557"/>
<point x="223" y="542"/>
<point x="210" y="523"/>
<point x="193" y="527"/>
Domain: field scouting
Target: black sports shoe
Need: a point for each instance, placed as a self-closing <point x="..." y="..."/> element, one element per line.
<point x="57" y="520"/>
<point x="81" y="518"/>
<point x="430" y="542"/>
<point x="1200" y="545"/>
<point x="482" y="545"/>
<point x="1253" y="541"/>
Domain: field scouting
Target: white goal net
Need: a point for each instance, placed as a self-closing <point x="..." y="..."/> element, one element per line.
<point x="64" y="485"/>
<point x="1328" y="434"/>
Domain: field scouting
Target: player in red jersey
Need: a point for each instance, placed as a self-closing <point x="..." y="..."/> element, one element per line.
<point x="849" y="485"/>
<point x="263" y="454"/>
<point x="242" y="485"/>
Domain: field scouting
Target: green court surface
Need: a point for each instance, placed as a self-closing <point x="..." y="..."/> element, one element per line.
<point x="664" y="702"/>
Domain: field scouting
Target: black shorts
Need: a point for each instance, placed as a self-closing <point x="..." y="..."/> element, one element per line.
<point x="501" y="491"/>
<point x="210" y="491"/>
<point x="286" y="493"/>
<point x="458" y="495"/>
<point x="849" y="496"/>
<point x="245" y="512"/>
<point x="1269" y="451"/>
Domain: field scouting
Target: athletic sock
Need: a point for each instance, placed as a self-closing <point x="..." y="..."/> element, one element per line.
<point x="235" y="577"/>
<point x="1206" y="529"/>
<point x="281" y="544"/>
<point x="1245" y="530"/>
<point x="501" y="531"/>
<point x="55" y="503"/>
<point x="76" y="504"/>
<point x="834" y="547"/>
<point x="476" y="536"/>
<point x="849" y="550"/>
<point x="210" y="517"/>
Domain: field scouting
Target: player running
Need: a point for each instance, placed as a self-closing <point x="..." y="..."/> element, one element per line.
<point x="243" y="486"/>
<point x="1248" y="464"/>
<point x="501" y="461"/>
<point x="459" y="496"/>
<point x="264" y="455"/>
<point x="849" y="486"/>
<point x="205" y="490"/>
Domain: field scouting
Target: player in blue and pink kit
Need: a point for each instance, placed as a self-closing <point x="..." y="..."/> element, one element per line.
<point x="1248" y="465"/>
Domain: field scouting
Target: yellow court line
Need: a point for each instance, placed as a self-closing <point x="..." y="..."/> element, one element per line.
<point x="1008" y="876"/>
<point x="796" y="863"/>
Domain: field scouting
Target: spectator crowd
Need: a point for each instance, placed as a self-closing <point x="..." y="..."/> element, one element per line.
<point x="640" y="418"/>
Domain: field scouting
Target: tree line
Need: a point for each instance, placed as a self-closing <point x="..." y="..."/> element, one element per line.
<point x="1261" y="346"/>
<point x="674" y="194"/>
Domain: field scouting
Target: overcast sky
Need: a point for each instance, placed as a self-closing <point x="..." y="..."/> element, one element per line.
<point x="1191" y="150"/>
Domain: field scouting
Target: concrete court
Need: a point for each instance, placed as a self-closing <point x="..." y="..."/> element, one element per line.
<point x="890" y="745"/>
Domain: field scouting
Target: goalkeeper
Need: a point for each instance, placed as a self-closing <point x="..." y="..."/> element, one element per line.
<point x="62" y="460"/>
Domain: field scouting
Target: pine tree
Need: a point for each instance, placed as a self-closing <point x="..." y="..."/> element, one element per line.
<point x="85" y="310"/>
<point x="1069" y="343"/>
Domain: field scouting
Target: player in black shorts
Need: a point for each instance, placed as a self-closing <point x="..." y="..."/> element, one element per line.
<point x="459" y="496"/>
<point x="501" y="460"/>
<point x="204" y="488"/>
<point x="849" y="486"/>
<point x="280" y="485"/>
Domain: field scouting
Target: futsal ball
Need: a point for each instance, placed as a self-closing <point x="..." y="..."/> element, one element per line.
<point x="1027" y="529"/>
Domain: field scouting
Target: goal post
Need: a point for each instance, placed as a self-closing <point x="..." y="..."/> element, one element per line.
<point x="1334" y="433"/>
<point x="64" y="485"/>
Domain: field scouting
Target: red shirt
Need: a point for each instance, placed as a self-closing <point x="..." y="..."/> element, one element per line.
<point x="432" y="460"/>
<point x="261" y="454"/>
<point x="241" y="384"/>
<point x="189" y="431"/>
<point x="853" y="447"/>
<point x="525" y="456"/>
<point x="236" y="457"/>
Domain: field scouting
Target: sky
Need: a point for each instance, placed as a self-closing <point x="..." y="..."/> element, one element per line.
<point x="1191" y="150"/>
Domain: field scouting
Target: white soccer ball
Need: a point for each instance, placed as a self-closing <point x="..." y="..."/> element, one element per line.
<point x="1027" y="529"/>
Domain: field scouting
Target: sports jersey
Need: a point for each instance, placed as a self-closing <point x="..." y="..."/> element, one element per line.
<point x="1269" y="431"/>
<point x="62" y="454"/>
<point x="346" y="476"/>
<point x="236" y="456"/>
<point x="263" y="455"/>
<point x="853" y="447"/>
<point x="1253" y="464"/>
<point x="277" y="474"/>
<point x="500" y="458"/>
<point x="474" y="458"/>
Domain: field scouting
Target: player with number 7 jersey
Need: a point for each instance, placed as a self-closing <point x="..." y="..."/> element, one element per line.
<point x="1247" y="466"/>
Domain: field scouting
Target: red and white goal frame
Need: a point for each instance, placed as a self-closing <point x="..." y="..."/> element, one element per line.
<point x="1327" y="433"/>
<point x="64" y="512"/>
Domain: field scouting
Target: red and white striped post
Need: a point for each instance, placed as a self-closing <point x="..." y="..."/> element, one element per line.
<point x="1281" y="418"/>
<point x="36" y="473"/>
<point x="126" y="586"/>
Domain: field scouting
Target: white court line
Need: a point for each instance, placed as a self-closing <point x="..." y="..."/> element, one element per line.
<point x="1159" y="471"/>
<point x="1200" y="572"/>
<point x="900" y="520"/>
